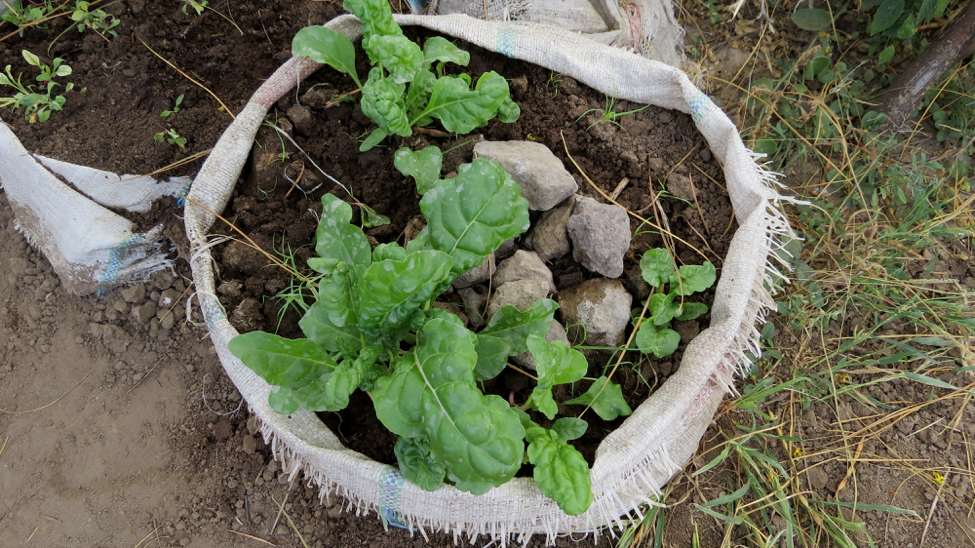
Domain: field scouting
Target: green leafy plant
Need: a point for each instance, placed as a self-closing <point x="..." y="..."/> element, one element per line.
<point x="196" y="5"/>
<point x="373" y="327"/>
<point x="654" y="335"/>
<point x="98" y="20"/>
<point x="171" y="137"/>
<point x="167" y="113"/>
<point x="407" y="85"/>
<point x="608" y="113"/>
<point x="37" y="105"/>
<point x="26" y="15"/>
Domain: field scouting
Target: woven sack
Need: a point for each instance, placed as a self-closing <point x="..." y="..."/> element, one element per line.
<point x="635" y="461"/>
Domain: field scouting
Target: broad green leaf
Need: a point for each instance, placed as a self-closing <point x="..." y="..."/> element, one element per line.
<point x="417" y="464"/>
<point x="886" y="15"/>
<point x="376" y="17"/>
<point x="656" y="266"/>
<point x="470" y="218"/>
<point x="392" y="251"/>
<point x="557" y="364"/>
<point x="281" y="361"/>
<point x="561" y="472"/>
<point x="478" y="438"/>
<point x="332" y="322"/>
<point x="662" y="308"/>
<point x="609" y="404"/>
<point x="418" y="95"/>
<point x="506" y="334"/>
<point x="63" y="70"/>
<point x="331" y="393"/>
<point x="282" y="400"/>
<point x="373" y="139"/>
<point x="423" y="165"/>
<point x="397" y="54"/>
<point x="570" y="428"/>
<point x="656" y="340"/>
<point x="382" y="101"/>
<point x="813" y="19"/>
<point x="324" y="45"/>
<point x="907" y="29"/>
<point x="886" y="55"/>
<point x="31" y="58"/>
<point x="462" y="110"/>
<point x="390" y="292"/>
<point x="692" y="311"/>
<point x="509" y="111"/>
<point x="371" y="219"/>
<point x="337" y="239"/>
<point x="438" y="48"/>
<point x="693" y="278"/>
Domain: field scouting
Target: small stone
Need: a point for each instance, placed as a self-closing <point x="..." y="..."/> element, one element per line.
<point x="521" y="294"/>
<point x="252" y="427"/>
<point x="230" y="288"/>
<point x="549" y="237"/>
<point x="602" y="305"/>
<point x="476" y="275"/>
<point x="474" y="299"/>
<point x="134" y="293"/>
<point x="543" y="179"/>
<point x="600" y="236"/>
<point x="302" y="119"/>
<point x="247" y="316"/>
<point x="250" y="444"/>
<point x="168" y="298"/>
<point x="121" y="306"/>
<point x="167" y="322"/>
<point x="524" y="265"/>
<point x="145" y="312"/>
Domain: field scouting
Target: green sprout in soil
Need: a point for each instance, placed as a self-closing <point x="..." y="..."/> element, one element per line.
<point x="608" y="113"/>
<point x="407" y="85"/>
<point x="98" y="20"/>
<point x="167" y="113"/>
<point x="171" y="137"/>
<point x="37" y="104"/>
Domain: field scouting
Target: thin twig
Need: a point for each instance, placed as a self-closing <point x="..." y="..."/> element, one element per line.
<point x="214" y="95"/>
<point x="5" y="412"/>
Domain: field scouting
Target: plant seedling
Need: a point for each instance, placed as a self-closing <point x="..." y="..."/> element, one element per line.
<point x="97" y="20"/>
<point x="654" y="335"/>
<point x="170" y="136"/>
<point x="196" y="5"/>
<point x="37" y="106"/>
<point x="403" y="89"/>
<point x="609" y="114"/>
<point x="168" y="113"/>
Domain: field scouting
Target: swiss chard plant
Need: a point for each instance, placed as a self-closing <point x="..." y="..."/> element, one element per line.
<point x="670" y="286"/>
<point x="373" y="328"/>
<point x="407" y="85"/>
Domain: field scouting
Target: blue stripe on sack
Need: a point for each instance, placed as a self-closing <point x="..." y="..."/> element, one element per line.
<point x="700" y="104"/>
<point x="181" y="200"/>
<point x="506" y="38"/>
<point x="116" y="260"/>
<point x="390" y="505"/>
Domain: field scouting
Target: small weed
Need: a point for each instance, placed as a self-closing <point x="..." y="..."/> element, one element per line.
<point x="37" y="105"/>
<point x="196" y="5"/>
<point x="170" y="136"/>
<point x="609" y="114"/>
<point x="26" y="16"/>
<point x="555" y="80"/>
<point x="175" y="109"/>
<point x="98" y="20"/>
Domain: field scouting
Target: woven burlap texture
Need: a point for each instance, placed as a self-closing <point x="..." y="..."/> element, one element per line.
<point x="634" y="462"/>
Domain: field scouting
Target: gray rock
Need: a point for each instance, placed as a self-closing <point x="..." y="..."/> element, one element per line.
<point x="474" y="299"/>
<point x="134" y="293"/>
<point x="476" y="275"/>
<point x="302" y="118"/>
<point x="112" y="336"/>
<point x="521" y="294"/>
<point x="524" y="265"/>
<point x="543" y="179"/>
<point x="145" y="312"/>
<point x="600" y="236"/>
<point x="555" y="333"/>
<point x="168" y="298"/>
<point x="602" y="306"/>
<point x="548" y="237"/>
<point x="247" y="316"/>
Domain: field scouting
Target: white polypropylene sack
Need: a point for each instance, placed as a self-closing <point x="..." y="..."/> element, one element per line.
<point x="90" y="247"/>
<point x="645" y="26"/>
<point x="635" y="461"/>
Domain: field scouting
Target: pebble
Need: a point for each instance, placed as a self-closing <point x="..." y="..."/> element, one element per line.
<point x="134" y="293"/>
<point x="250" y="444"/>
